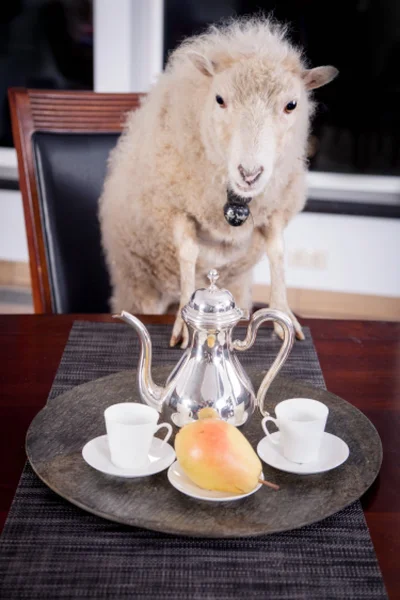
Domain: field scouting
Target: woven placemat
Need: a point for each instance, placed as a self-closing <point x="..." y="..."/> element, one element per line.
<point x="50" y="549"/>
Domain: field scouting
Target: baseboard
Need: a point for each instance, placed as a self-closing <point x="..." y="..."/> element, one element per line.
<point x="15" y="274"/>
<point x="336" y="305"/>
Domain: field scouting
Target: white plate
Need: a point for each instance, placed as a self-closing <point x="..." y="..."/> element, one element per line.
<point x="181" y="482"/>
<point x="333" y="453"/>
<point x="97" y="454"/>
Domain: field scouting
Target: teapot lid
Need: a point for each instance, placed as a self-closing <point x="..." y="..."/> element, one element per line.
<point x="212" y="306"/>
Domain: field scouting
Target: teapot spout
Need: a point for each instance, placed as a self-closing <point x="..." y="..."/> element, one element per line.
<point x="151" y="393"/>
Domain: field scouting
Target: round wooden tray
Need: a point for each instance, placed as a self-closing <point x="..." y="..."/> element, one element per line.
<point x="58" y="433"/>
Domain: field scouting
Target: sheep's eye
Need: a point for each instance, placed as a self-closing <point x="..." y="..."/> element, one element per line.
<point x="220" y="101"/>
<point x="290" y="106"/>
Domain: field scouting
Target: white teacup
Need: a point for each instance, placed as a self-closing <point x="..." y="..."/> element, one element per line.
<point x="301" y="422"/>
<point x="130" y="431"/>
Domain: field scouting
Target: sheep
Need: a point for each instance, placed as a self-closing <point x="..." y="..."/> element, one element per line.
<point x="230" y="112"/>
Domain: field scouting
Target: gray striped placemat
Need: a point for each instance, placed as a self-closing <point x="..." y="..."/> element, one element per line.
<point x="51" y="549"/>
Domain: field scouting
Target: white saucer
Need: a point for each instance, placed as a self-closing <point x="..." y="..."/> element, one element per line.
<point x="333" y="453"/>
<point x="97" y="454"/>
<point x="181" y="482"/>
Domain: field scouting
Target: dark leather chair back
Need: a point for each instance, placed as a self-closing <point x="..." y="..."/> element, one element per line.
<point x="70" y="170"/>
<point x="63" y="140"/>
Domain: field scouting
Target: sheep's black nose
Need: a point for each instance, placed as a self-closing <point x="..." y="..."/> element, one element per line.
<point x="248" y="176"/>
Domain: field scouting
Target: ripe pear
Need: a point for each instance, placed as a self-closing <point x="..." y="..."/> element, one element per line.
<point x="216" y="456"/>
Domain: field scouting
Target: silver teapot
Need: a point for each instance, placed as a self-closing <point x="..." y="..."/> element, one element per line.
<point x="209" y="373"/>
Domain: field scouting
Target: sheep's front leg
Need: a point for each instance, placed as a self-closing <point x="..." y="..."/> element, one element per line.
<point x="185" y="239"/>
<point x="275" y="253"/>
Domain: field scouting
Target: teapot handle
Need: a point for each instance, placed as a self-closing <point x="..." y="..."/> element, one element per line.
<point x="259" y="317"/>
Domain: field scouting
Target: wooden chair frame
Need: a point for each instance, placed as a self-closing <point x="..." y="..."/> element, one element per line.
<point x="62" y="112"/>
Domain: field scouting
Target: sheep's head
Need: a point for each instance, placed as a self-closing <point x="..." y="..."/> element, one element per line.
<point x="256" y="114"/>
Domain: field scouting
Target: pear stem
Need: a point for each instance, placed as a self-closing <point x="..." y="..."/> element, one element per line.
<point x="269" y="484"/>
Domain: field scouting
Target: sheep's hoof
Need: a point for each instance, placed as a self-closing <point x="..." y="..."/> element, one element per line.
<point x="300" y="335"/>
<point x="173" y="341"/>
<point x="297" y="328"/>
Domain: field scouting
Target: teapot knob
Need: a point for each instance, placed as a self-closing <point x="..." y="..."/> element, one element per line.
<point x="213" y="276"/>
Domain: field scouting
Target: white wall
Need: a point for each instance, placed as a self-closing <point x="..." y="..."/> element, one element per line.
<point x="128" y="44"/>
<point x="324" y="252"/>
<point x="340" y="253"/>
<point x="13" y="243"/>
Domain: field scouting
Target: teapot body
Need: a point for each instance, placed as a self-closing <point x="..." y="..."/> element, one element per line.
<point x="209" y="374"/>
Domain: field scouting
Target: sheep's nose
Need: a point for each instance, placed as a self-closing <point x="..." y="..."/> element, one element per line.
<point x="250" y="176"/>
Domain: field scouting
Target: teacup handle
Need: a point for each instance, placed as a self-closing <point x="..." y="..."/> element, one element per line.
<point x="169" y="433"/>
<point x="264" y="426"/>
<point x="268" y="314"/>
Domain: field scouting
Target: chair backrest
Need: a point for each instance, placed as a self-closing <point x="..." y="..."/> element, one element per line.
<point x="63" y="140"/>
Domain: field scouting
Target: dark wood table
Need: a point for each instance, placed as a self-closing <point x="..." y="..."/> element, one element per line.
<point x="360" y="362"/>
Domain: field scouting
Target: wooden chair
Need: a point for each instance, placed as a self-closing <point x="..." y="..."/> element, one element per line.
<point x="63" y="140"/>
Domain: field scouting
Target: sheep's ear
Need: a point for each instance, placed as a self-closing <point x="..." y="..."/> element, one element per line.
<point x="315" y="78"/>
<point x="202" y="63"/>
